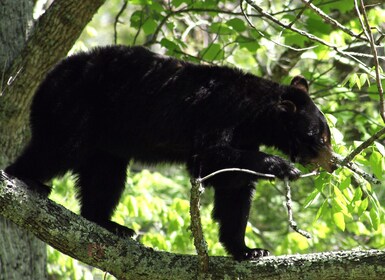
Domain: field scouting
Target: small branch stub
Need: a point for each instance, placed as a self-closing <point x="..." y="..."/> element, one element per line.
<point x="196" y="225"/>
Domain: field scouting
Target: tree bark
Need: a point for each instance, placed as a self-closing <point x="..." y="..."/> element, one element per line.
<point x="128" y="259"/>
<point x="22" y="255"/>
<point x="52" y="37"/>
<point x="26" y="55"/>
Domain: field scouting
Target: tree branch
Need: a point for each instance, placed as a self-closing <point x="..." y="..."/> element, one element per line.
<point x="127" y="259"/>
<point x="347" y="160"/>
<point x="124" y="6"/>
<point x="368" y="32"/>
<point x="332" y="21"/>
<point x="307" y="35"/>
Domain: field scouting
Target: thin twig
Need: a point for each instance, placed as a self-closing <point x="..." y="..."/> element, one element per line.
<point x="332" y="21"/>
<point x="289" y="207"/>
<point x="303" y="9"/>
<point x="199" y="240"/>
<point x="271" y="40"/>
<point x="245" y="15"/>
<point x="250" y="172"/>
<point x="117" y="20"/>
<point x="360" y="148"/>
<point x="306" y="34"/>
<point x="353" y="167"/>
<point x="368" y="32"/>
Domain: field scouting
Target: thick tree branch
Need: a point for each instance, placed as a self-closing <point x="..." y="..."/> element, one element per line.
<point x="127" y="259"/>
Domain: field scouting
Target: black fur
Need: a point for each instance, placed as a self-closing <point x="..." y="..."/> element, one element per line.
<point x="96" y="111"/>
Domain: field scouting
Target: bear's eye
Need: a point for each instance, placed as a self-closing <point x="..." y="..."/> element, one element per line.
<point x="313" y="132"/>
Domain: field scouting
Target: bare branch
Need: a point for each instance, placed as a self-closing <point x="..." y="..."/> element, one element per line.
<point x="125" y="3"/>
<point x="289" y="205"/>
<point x="346" y="161"/>
<point x="291" y="221"/>
<point x="307" y="35"/>
<point x="332" y="21"/>
<point x="368" y="32"/>
<point x="250" y="172"/>
<point x="353" y="167"/>
<point x="271" y="40"/>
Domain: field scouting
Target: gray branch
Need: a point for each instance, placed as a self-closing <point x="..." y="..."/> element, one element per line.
<point x="128" y="259"/>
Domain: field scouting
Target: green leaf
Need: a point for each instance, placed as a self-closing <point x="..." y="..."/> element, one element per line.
<point x="213" y="52"/>
<point x="313" y="196"/>
<point x="343" y="6"/>
<point x="156" y="6"/>
<point x="237" y="24"/>
<point x="170" y="45"/>
<point x="357" y="195"/>
<point x="375" y="218"/>
<point x="364" y="78"/>
<point x="250" y="44"/>
<point x="363" y="206"/>
<point x="317" y="25"/>
<point x="354" y="80"/>
<point x="380" y="148"/>
<point x="339" y="220"/>
<point x="149" y="26"/>
<point x="177" y="3"/>
<point x="322" y="210"/>
<point x="132" y="206"/>
<point x="135" y="19"/>
<point x="221" y="28"/>
<point x="294" y="39"/>
<point x="340" y="198"/>
<point x="141" y="2"/>
<point x="345" y="183"/>
<point x="376" y="163"/>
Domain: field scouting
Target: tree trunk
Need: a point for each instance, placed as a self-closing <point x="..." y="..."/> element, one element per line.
<point x="26" y="55"/>
<point x="22" y="255"/>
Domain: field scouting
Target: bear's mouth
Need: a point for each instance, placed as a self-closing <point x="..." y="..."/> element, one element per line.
<point x="324" y="159"/>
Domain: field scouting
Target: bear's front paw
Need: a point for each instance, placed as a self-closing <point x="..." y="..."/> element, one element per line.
<point x="252" y="254"/>
<point x="281" y="168"/>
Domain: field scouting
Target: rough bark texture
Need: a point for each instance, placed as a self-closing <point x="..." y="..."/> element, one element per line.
<point x="22" y="255"/>
<point x="24" y="60"/>
<point x="52" y="37"/>
<point x="127" y="259"/>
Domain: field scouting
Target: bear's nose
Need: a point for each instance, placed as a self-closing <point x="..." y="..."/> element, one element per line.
<point x="325" y="159"/>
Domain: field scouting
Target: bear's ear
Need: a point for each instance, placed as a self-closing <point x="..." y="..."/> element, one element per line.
<point x="300" y="82"/>
<point x="287" y="106"/>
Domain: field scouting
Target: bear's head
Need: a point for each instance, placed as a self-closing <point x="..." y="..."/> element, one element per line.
<point x="305" y="130"/>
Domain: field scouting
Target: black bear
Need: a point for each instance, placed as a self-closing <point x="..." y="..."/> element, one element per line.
<point x="98" y="110"/>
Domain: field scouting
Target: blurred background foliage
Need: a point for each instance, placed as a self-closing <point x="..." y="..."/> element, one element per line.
<point x="341" y="211"/>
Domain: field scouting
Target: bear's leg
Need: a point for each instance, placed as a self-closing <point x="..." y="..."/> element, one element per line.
<point x="101" y="183"/>
<point x="38" y="164"/>
<point x="231" y="210"/>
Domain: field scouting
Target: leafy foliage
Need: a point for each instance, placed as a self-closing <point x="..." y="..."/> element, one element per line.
<point x="342" y="210"/>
